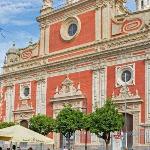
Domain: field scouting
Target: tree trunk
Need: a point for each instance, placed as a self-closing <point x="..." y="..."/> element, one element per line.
<point x="106" y="137"/>
<point x="86" y="140"/>
<point x="107" y="148"/>
<point x="68" y="139"/>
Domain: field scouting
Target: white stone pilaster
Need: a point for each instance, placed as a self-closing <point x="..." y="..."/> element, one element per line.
<point x="98" y="23"/>
<point x="99" y="87"/>
<point x="9" y="103"/>
<point x="95" y="89"/>
<point x="42" y="41"/>
<point x="41" y="97"/>
<point x="47" y="35"/>
<point x="103" y="81"/>
<point x="106" y="18"/>
<point x="147" y="90"/>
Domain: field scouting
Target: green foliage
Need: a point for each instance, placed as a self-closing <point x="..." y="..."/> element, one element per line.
<point x="86" y="122"/>
<point x="106" y="120"/>
<point x="41" y="124"/>
<point x="6" y="124"/>
<point x="68" y="121"/>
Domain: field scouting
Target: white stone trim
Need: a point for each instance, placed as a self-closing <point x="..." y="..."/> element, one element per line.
<point x="47" y="41"/>
<point x="95" y="88"/>
<point x="42" y="41"/>
<point x="147" y="82"/>
<point x="98" y="24"/>
<point x="103" y="86"/>
<point x="22" y="87"/>
<point x="65" y="25"/>
<point x="119" y="71"/>
<point x="41" y="97"/>
<point x="9" y="103"/>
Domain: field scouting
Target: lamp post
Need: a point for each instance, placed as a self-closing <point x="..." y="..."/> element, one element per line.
<point x="86" y="132"/>
<point x="126" y="136"/>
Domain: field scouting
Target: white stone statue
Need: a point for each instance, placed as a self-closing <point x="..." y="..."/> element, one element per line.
<point x="47" y="3"/>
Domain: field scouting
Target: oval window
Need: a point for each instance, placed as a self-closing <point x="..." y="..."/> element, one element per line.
<point x="26" y="91"/>
<point x="72" y="29"/>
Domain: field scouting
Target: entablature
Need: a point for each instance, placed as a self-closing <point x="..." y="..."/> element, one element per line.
<point x="91" y="51"/>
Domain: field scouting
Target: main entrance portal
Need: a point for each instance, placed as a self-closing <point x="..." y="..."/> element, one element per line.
<point x="128" y="127"/>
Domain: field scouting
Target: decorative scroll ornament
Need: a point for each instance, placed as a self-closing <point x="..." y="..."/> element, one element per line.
<point x="67" y="91"/>
<point x="24" y="107"/>
<point x="126" y="94"/>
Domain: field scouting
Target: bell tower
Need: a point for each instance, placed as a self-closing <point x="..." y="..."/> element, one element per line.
<point x="142" y="4"/>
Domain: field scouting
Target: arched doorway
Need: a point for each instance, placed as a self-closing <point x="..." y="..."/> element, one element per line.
<point x="128" y="126"/>
<point x="24" y="123"/>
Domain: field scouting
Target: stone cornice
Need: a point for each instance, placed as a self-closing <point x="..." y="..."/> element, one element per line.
<point x="58" y="14"/>
<point x="113" y="47"/>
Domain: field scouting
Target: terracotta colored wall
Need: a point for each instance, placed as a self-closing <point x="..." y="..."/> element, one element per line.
<point x="87" y="33"/>
<point x="30" y="101"/>
<point x="3" y="105"/>
<point x="139" y="83"/>
<point x="85" y="79"/>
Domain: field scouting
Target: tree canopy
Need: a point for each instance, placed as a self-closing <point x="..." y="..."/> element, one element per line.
<point x="6" y="124"/>
<point x="106" y="120"/>
<point x="68" y="121"/>
<point x="41" y="124"/>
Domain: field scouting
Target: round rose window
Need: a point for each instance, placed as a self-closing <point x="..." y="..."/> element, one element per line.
<point x="126" y="76"/>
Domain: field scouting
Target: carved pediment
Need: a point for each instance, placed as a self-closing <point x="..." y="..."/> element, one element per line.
<point x="68" y="91"/>
<point x="126" y="94"/>
<point x="24" y="107"/>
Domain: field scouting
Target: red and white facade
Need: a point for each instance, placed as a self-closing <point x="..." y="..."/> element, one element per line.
<point x="107" y="48"/>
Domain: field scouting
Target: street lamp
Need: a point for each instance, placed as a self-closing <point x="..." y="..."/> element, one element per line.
<point x="86" y="132"/>
<point x="126" y="136"/>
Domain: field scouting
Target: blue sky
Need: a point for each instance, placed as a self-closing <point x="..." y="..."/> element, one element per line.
<point x="18" y="22"/>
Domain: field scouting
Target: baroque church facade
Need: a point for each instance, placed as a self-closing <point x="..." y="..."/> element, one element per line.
<point x="88" y="50"/>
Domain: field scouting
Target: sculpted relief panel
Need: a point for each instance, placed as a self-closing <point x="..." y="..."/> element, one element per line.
<point x="67" y="94"/>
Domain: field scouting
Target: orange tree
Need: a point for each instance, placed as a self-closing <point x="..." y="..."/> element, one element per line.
<point x="41" y="124"/>
<point x="106" y="120"/>
<point x="6" y="124"/>
<point x="68" y="121"/>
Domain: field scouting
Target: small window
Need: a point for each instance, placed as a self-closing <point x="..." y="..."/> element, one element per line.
<point x="126" y="76"/>
<point x="26" y="91"/>
<point x="72" y="29"/>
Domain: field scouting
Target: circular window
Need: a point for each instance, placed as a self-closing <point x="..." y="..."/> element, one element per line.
<point x="70" y="28"/>
<point x="26" y="91"/>
<point x="126" y="75"/>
